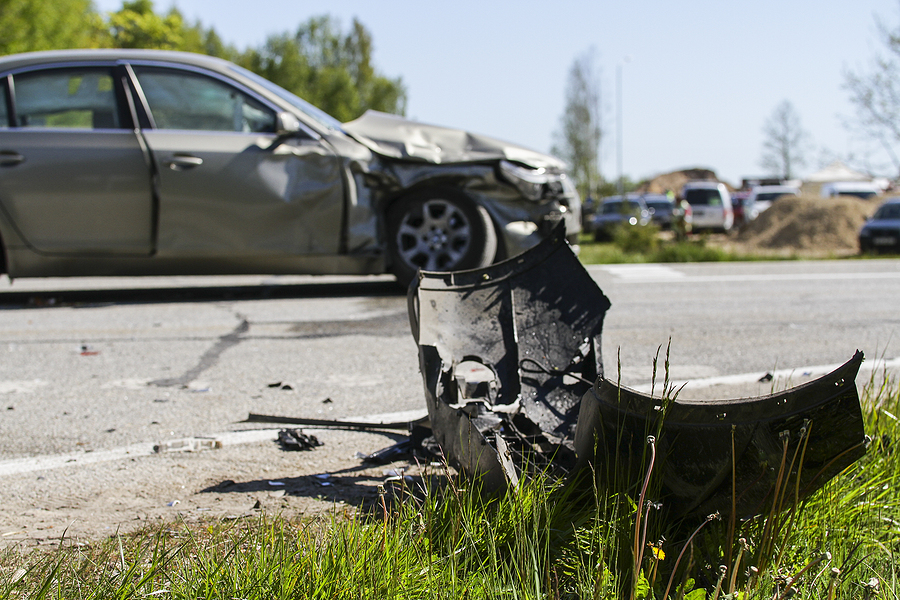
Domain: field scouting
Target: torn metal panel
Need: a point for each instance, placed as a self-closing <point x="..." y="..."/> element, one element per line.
<point x="816" y="428"/>
<point x="508" y="351"/>
<point x="396" y="137"/>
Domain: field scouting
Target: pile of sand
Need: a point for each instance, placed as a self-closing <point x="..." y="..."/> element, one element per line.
<point x="675" y="180"/>
<point x="808" y="226"/>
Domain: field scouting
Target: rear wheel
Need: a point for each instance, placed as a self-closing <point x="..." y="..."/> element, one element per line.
<point x="439" y="230"/>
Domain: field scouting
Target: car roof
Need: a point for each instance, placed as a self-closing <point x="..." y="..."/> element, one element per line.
<point x="27" y="59"/>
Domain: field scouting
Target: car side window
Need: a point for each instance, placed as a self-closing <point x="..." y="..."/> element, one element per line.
<point x="4" y="111"/>
<point x="78" y="98"/>
<point x="181" y="100"/>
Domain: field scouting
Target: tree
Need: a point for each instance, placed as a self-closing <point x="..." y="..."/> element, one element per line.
<point x="330" y="69"/>
<point x="580" y="128"/>
<point x="785" y="141"/>
<point x="29" y="25"/>
<point x="875" y="93"/>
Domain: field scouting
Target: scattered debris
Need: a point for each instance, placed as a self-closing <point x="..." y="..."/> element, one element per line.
<point x="194" y="444"/>
<point x="173" y="503"/>
<point x="766" y="377"/>
<point x="88" y="351"/>
<point x="281" y="385"/>
<point x="296" y="440"/>
<point x="276" y="483"/>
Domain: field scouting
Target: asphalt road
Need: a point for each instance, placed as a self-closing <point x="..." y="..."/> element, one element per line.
<point x="104" y="368"/>
<point x="99" y="363"/>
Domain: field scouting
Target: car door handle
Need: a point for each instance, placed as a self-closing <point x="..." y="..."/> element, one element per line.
<point x="182" y="162"/>
<point x="9" y="158"/>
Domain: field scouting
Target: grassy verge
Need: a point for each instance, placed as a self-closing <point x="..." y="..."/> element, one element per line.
<point x="438" y="538"/>
<point x="645" y="245"/>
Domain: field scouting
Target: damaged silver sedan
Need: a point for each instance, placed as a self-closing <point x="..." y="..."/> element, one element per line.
<point x="136" y="162"/>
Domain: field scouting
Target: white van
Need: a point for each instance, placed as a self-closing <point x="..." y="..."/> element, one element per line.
<point x="762" y="196"/>
<point x="859" y="189"/>
<point x="711" y="205"/>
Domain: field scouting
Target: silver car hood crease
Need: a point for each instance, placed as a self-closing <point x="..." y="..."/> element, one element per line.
<point x="396" y="137"/>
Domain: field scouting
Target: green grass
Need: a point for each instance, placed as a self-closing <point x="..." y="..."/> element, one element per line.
<point x="440" y="538"/>
<point x="645" y="245"/>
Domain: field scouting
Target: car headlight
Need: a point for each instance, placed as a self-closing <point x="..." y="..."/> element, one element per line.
<point x="530" y="182"/>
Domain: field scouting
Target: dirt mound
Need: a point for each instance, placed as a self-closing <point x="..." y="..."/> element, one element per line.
<point x="808" y="225"/>
<point x="675" y="180"/>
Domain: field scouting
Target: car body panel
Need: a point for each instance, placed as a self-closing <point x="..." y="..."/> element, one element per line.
<point x="180" y="198"/>
<point x="78" y="191"/>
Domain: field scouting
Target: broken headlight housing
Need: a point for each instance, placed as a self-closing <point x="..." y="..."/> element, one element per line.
<point x="534" y="184"/>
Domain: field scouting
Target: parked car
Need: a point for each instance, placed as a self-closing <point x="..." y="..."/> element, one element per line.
<point x="616" y="211"/>
<point x="858" y="189"/>
<point x="139" y="162"/>
<point x="762" y="196"/>
<point x="660" y="207"/>
<point x="881" y="233"/>
<point x="711" y="205"/>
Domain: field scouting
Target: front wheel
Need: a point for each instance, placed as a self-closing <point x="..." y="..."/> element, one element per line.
<point x="439" y="230"/>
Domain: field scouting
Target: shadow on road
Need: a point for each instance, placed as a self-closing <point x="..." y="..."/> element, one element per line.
<point x="51" y="298"/>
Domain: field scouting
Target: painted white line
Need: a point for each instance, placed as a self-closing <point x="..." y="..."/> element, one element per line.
<point x="652" y="273"/>
<point x="228" y="438"/>
<point x="780" y="375"/>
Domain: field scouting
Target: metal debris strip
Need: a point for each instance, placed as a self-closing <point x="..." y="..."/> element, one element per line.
<point x="507" y="352"/>
<point x="511" y="365"/>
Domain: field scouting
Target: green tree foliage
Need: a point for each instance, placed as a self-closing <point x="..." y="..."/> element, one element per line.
<point x="29" y="25"/>
<point x="319" y="62"/>
<point x="328" y="68"/>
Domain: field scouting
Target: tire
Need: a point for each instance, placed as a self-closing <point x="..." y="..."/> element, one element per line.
<point x="438" y="230"/>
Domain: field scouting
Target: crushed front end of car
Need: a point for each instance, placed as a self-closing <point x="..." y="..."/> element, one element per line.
<point x="426" y="175"/>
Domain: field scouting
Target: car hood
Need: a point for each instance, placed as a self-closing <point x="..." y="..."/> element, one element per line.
<point x="882" y="224"/>
<point x="396" y="137"/>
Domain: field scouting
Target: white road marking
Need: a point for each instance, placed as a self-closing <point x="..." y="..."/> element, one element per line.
<point x="643" y="272"/>
<point x="780" y="375"/>
<point x="649" y="273"/>
<point x="229" y="438"/>
<point x="11" y="387"/>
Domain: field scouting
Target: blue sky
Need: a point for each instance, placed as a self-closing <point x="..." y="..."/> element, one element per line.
<point x="699" y="78"/>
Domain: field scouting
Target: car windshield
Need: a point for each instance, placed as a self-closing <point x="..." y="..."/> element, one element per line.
<point x="659" y="205"/>
<point x="617" y="207"/>
<point x="316" y="114"/>
<point x="858" y="194"/>
<point x="888" y="211"/>
<point x="703" y="197"/>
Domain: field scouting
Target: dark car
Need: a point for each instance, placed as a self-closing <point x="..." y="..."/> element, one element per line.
<point x="615" y="212"/>
<point x="139" y="162"/>
<point x="660" y="207"/>
<point x="881" y="233"/>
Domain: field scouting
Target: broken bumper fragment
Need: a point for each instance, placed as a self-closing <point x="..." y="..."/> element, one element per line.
<point x="510" y="357"/>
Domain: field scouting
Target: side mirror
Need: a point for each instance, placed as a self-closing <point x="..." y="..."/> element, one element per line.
<point x="286" y="124"/>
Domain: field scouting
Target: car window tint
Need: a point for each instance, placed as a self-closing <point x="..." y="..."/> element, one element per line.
<point x="66" y="98"/>
<point x="4" y="112"/>
<point x="703" y="197"/>
<point x="179" y="100"/>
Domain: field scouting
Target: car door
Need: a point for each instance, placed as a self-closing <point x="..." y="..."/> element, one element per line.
<point x="74" y="178"/>
<point x="227" y="186"/>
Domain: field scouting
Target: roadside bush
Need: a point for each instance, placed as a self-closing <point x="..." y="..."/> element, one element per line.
<point x="635" y="240"/>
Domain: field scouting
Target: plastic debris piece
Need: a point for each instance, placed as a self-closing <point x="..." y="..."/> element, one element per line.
<point x="173" y="502"/>
<point x="296" y="440"/>
<point x="187" y="445"/>
<point x="276" y="483"/>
